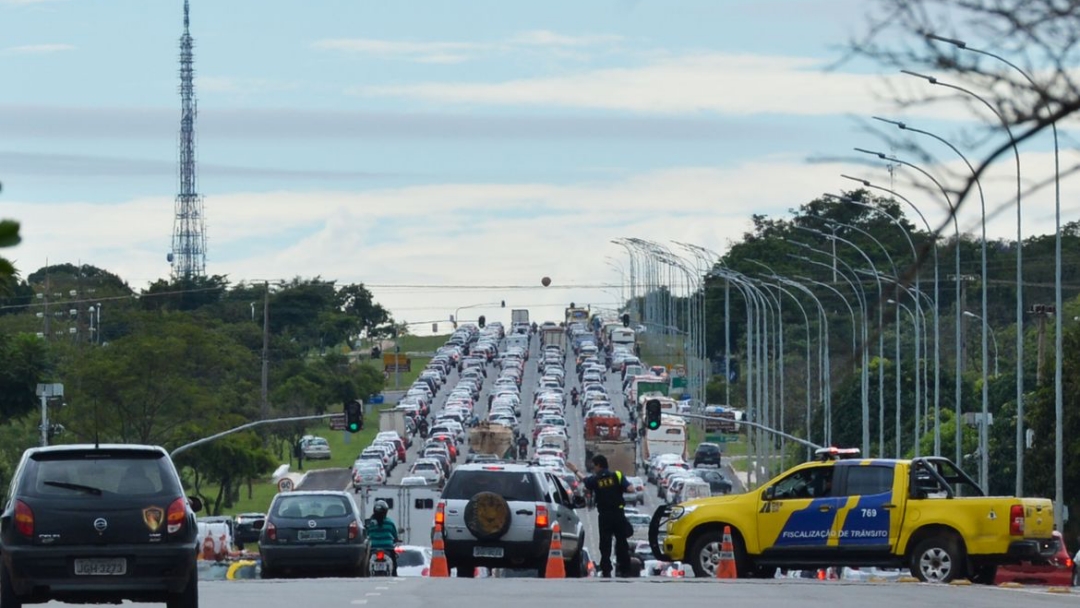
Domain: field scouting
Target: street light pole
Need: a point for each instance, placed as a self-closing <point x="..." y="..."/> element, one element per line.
<point x="1019" y="279"/>
<point x="993" y="335"/>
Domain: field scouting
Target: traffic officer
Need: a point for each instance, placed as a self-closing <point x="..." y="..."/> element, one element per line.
<point x="607" y="488"/>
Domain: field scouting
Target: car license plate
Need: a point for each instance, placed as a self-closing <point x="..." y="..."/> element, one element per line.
<point x="487" y="552"/>
<point x="115" y="566"/>
<point x="380" y="566"/>
<point x="311" y="535"/>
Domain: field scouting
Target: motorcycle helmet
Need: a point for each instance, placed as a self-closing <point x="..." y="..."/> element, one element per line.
<point x="381" y="508"/>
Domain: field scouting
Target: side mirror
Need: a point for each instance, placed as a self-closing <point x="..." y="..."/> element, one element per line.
<point x="769" y="493"/>
<point x="258" y="524"/>
<point x="579" y="501"/>
<point x="195" y="504"/>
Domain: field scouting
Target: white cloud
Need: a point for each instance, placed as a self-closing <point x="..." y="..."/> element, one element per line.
<point x="423" y="52"/>
<point x="475" y="234"/>
<point x="552" y="39"/>
<point x="38" y="49"/>
<point x="228" y="84"/>
<point x="736" y="84"/>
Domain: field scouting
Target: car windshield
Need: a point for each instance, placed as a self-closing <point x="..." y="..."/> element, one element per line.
<point x="410" y="558"/>
<point x="311" y="507"/>
<point x="519" y="486"/>
<point x="81" y="474"/>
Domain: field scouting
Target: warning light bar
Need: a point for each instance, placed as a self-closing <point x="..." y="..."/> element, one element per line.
<point x="835" y="453"/>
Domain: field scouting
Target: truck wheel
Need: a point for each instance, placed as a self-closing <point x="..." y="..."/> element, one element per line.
<point x="704" y="555"/>
<point x="937" y="560"/>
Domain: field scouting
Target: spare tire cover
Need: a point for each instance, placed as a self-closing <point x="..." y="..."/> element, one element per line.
<point x="487" y="516"/>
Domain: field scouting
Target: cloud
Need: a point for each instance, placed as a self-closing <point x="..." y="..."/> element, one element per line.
<point x="423" y="52"/>
<point x="483" y="234"/>
<point x="459" y="52"/>
<point x="713" y="83"/>
<point x="286" y="124"/>
<point x="38" y="49"/>
<point x="227" y="84"/>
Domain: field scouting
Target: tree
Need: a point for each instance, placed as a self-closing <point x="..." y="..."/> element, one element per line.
<point x="9" y="237"/>
<point x="1038" y="35"/>
<point x="227" y="462"/>
<point x="358" y="303"/>
<point x="184" y="294"/>
<point x="24" y="362"/>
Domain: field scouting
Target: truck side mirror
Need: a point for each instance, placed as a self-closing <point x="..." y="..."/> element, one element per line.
<point x="769" y="493"/>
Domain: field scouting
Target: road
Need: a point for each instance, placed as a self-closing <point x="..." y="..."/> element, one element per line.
<point x="539" y="593"/>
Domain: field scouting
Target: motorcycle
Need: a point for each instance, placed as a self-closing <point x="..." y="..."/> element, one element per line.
<point x="380" y="563"/>
<point x="523" y="452"/>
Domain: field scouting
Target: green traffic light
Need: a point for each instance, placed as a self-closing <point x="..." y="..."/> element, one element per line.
<point x="653" y="425"/>
<point x="354" y="427"/>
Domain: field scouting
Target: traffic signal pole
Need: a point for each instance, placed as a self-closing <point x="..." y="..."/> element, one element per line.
<point x="244" y="427"/>
<point x="760" y="427"/>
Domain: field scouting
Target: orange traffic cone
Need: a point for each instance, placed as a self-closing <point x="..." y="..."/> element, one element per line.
<point x="439" y="568"/>
<point x="555" y="566"/>
<point x="208" y="548"/>
<point x="725" y="568"/>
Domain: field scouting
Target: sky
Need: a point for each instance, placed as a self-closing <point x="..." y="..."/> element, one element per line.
<point x="447" y="154"/>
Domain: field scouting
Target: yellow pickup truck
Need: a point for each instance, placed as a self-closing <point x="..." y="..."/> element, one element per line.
<point x="924" y="514"/>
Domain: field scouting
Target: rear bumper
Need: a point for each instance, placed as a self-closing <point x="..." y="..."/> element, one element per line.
<point x="522" y="553"/>
<point x="50" y="571"/>
<point x="313" y="557"/>
<point x="1032" y="549"/>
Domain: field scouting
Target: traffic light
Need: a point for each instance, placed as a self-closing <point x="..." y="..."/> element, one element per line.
<point x="652" y="414"/>
<point x="503" y="303"/>
<point x="482" y="320"/>
<point x="354" y="416"/>
<point x="626" y="319"/>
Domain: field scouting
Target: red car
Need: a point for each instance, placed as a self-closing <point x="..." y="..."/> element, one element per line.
<point x="1058" y="571"/>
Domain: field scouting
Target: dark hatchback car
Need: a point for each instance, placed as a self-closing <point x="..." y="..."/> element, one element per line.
<point x="98" y="524"/>
<point x="707" y="453"/>
<point x="313" y="533"/>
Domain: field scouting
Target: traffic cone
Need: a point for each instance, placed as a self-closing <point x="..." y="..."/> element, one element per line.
<point x="439" y="568"/>
<point x="555" y="566"/>
<point x="725" y="568"/>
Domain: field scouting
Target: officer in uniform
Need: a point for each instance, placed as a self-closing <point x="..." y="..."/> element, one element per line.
<point x="607" y="488"/>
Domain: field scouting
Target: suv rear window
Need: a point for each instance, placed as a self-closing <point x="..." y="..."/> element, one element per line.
<point x="92" y="473"/>
<point x="517" y="486"/>
<point x="311" y="506"/>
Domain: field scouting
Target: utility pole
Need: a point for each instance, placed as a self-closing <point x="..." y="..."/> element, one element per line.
<point x="265" y="402"/>
<point x="1041" y="311"/>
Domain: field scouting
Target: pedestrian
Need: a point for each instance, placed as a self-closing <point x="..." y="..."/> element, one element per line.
<point x="298" y="451"/>
<point x="607" y="488"/>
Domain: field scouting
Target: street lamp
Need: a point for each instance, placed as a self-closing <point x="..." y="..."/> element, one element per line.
<point x="1019" y="280"/>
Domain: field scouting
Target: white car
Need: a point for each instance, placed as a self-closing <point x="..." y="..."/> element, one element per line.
<point x="413" y="560"/>
<point x="427" y="469"/>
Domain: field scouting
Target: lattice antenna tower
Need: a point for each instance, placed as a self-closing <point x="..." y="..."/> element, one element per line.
<point x="188" y="256"/>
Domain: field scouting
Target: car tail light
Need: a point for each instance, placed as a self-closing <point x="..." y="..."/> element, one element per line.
<point x="1016" y="520"/>
<point x="425" y="572"/>
<point x="24" y="519"/>
<point x="271" y="531"/>
<point x="176" y="514"/>
<point x="380" y="555"/>
<point x="440" y="514"/>
<point x="541" y="517"/>
<point x="354" y="530"/>
<point x="399" y="549"/>
<point x="1068" y="562"/>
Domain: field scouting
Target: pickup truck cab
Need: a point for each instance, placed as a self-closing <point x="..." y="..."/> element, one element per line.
<point x="924" y="514"/>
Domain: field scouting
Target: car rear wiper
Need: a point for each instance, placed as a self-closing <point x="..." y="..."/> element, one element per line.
<point x="73" y="486"/>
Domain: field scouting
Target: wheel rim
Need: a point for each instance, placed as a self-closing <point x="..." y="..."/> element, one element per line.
<point x="709" y="558"/>
<point x="936" y="565"/>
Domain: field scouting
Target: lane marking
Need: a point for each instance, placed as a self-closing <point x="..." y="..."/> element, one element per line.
<point x="372" y="593"/>
<point x="358" y="602"/>
<point x="382" y="588"/>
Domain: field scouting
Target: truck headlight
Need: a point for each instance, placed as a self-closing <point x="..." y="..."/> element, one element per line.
<point x="678" y="512"/>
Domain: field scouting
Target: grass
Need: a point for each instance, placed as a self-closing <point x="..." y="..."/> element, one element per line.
<point x="421" y="344"/>
<point x="342" y="456"/>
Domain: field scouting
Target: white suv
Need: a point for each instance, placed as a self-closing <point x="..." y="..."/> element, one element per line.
<point x="498" y="515"/>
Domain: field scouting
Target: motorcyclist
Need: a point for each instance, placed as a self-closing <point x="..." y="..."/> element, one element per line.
<point x="422" y="427"/>
<point x="382" y="532"/>
<point x="523" y="447"/>
<point x="574" y="396"/>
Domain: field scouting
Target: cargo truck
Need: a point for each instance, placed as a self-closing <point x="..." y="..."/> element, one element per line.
<point x="393" y="420"/>
<point x="519" y="315"/>
<point x="495" y="439"/>
<point x="556" y="336"/>
<point x="603" y="435"/>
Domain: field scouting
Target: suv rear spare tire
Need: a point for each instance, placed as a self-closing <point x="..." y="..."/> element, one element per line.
<point x="487" y="516"/>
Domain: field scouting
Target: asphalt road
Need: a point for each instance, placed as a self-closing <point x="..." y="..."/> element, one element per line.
<point x="540" y="593"/>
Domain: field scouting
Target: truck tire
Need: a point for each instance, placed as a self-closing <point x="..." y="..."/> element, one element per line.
<point x="704" y="554"/>
<point x="937" y="559"/>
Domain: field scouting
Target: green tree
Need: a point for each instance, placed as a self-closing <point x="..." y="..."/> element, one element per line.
<point x="24" y="362"/>
<point x="9" y="237"/>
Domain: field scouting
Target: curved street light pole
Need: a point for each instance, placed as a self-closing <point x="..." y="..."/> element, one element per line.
<point x="824" y="356"/>
<point x="984" y="460"/>
<point x="959" y="319"/>
<point x="1059" y="455"/>
<point x="993" y="335"/>
<point x="1019" y="280"/>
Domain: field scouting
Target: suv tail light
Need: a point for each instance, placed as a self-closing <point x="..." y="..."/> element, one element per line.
<point x="541" y="516"/>
<point x="440" y="514"/>
<point x="354" y="530"/>
<point x="1016" y="520"/>
<point x="24" y="519"/>
<point x="271" y="531"/>
<point x="175" y="515"/>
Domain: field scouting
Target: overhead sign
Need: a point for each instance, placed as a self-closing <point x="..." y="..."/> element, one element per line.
<point x="50" y="390"/>
<point x="396" y="362"/>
